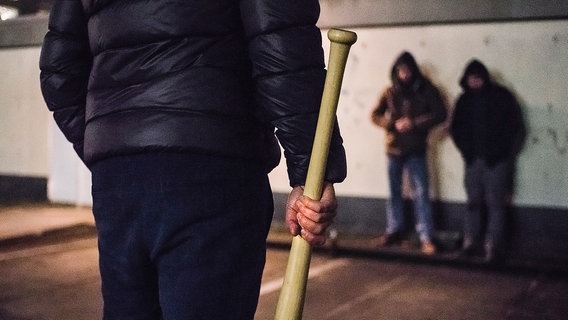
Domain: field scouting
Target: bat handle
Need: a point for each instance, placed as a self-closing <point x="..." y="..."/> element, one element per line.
<point x="291" y="300"/>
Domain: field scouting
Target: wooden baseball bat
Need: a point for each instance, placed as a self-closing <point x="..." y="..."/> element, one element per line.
<point x="291" y="299"/>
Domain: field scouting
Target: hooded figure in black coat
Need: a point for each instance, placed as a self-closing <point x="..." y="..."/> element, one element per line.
<point x="488" y="130"/>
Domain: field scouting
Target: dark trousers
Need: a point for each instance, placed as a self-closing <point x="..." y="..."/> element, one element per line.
<point x="486" y="185"/>
<point x="180" y="236"/>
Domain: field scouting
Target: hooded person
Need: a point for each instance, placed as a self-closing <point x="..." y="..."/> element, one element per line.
<point x="408" y="110"/>
<point x="488" y="130"/>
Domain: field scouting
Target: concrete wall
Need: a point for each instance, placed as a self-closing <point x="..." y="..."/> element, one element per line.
<point x="23" y="127"/>
<point x="528" y="57"/>
<point x="374" y="13"/>
<point x="24" y="117"/>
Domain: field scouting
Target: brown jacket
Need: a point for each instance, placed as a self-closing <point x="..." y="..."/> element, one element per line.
<point x="421" y="102"/>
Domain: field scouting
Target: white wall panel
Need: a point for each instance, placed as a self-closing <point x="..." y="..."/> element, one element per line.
<point x="23" y="116"/>
<point x="531" y="58"/>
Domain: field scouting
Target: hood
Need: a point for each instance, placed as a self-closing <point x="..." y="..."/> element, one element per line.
<point x="407" y="59"/>
<point x="475" y="67"/>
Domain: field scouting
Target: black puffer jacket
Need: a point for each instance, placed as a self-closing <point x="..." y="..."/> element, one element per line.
<point x="216" y="77"/>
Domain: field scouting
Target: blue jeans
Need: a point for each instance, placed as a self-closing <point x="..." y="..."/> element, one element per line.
<point x="180" y="236"/>
<point x="418" y="173"/>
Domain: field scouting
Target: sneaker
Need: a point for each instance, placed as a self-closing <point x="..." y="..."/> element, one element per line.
<point x="388" y="239"/>
<point x="492" y="254"/>
<point x="468" y="250"/>
<point x="428" y="247"/>
<point x="489" y="256"/>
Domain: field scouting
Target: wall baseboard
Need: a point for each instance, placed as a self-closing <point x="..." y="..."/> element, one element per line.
<point x="17" y="189"/>
<point x="535" y="235"/>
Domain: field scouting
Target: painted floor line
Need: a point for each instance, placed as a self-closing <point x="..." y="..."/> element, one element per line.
<point x="276" y="284"/>
<point x="346" y="307"/>
<point x="48" y="249"/>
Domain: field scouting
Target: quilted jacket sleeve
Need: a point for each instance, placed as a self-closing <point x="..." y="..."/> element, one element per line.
<point x="289" y="72"/>
<point x="65" y="64"/>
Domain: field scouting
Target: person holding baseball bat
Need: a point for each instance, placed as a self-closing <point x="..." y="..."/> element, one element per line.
<point x="177" y="108"/>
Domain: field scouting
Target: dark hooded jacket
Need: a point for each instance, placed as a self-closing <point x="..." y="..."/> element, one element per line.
<point x="487" y="123"/>
<point x="419" y="100"/>
<point x="213" y="77"/>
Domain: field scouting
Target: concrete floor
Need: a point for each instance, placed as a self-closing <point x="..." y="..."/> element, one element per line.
<point x="58" y="279"/>
<point x="48" y="270"/>
<point x="344" y="288"/>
